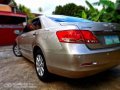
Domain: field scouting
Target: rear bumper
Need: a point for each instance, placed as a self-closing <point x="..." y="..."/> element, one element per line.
<point x="76" y="66"/>
<point x="80" y="73"/>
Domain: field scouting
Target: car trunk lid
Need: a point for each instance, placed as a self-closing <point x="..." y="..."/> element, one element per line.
<point x="108" y="34"/>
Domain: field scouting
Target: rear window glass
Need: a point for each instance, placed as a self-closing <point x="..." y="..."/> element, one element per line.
<point x="68" y="19"/>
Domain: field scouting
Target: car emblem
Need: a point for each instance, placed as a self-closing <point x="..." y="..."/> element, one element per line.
<point x="105" y="25"/>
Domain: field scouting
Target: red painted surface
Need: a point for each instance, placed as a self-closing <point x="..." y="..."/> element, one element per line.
<point x="7" y="35"/>
<point x="9" y="22"/>
<point x="3" y="13"/>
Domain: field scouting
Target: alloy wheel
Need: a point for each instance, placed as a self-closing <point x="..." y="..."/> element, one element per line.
<point x="40" y="65"/>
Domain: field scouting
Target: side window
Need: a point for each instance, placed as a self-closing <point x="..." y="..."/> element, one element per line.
<point x="33" y="26"/>
<point x="26" y="29"/>
<point x="36" y="24"/>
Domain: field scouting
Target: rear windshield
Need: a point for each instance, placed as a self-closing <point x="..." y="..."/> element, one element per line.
<point x="68" y="19"/>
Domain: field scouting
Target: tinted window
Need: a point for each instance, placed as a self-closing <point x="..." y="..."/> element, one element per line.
<point x="36" y="23"/>
<point x="33" y="26"/>
<point x="26" y="29"/>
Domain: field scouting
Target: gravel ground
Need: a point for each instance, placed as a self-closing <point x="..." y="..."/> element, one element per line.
<point x="19" y="74"/>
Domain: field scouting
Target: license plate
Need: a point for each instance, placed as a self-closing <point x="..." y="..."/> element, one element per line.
<point x="112" y="39"/>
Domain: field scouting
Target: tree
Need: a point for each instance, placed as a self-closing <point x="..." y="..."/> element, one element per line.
<point x="22" y="9"/>
<point x="27" y="11"/>
<point x="70" y="9"/>
<point x="58" y="10"/>
<point x="118" y="6"/>
<point x="40" y="9"/>
<point x="111" y="11"/>
<point x="105" y="3"/>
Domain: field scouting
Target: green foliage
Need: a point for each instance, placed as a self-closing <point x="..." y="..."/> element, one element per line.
<point x="93" y="14"/>
<point x="109" y="13"/>
<point x="118" y="6"/>
<point x="90" y="6"/>
<point x="84" y="15"/>
<point x="70" y="9"/>
<point x="105" y="3"/>
<point x="27" y="11"/>
<point x="40" y="9"/>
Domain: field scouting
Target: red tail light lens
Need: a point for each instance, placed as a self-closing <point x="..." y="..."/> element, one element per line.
<point x="76" y="36"/>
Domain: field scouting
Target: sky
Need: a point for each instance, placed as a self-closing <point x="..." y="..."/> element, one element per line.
<point x="48" y="6"/>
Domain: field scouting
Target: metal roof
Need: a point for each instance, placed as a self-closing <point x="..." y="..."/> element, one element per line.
<point x="5" y="1"/>
<point x="2" y="13"/>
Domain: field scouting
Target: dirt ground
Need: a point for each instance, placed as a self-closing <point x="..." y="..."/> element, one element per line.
<point x="19" y="74"/>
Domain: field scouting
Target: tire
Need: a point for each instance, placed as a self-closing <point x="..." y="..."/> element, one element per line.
<point x="16" y="50"/>
<point x="40" y="67"/>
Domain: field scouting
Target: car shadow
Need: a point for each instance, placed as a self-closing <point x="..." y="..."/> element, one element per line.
<point x="92" y="81"/>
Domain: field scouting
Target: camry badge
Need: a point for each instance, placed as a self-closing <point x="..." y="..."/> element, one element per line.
<point x="106" y="25"/>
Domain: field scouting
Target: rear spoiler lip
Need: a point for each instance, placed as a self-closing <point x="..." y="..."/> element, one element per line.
<point x="91" y="26"/>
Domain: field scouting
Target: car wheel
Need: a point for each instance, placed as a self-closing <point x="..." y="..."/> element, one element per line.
<point x="41" y="68"/>
<point x="16" y="50"/>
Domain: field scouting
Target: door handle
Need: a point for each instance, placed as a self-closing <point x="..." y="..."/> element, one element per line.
<point x="35" y="34"/>
<point x="46" y="30"/>
<point x="23" y="35"/>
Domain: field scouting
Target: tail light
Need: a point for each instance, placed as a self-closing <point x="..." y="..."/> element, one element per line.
<point x="76" y="36"/>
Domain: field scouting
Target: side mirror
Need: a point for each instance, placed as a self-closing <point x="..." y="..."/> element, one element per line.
<point x="17" y="32"/>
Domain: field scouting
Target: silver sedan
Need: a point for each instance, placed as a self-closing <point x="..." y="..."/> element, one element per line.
<point x="69" y="46"/>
